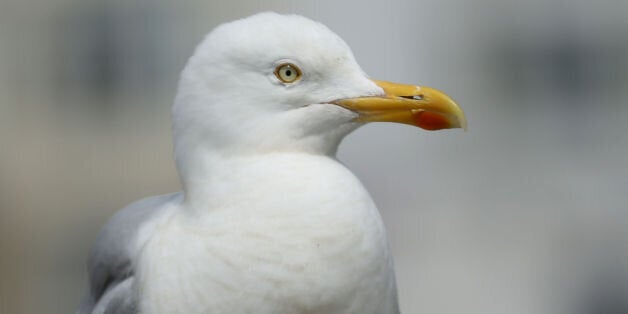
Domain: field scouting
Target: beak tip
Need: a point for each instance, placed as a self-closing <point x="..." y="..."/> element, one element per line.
<point x="463" y="123"/>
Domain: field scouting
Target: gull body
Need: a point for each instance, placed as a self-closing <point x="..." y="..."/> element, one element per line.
<point x="268" y="220"/>
<point x="319" y="246"/>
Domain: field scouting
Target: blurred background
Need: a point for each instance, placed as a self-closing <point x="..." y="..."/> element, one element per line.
<point x="526" y="212"/>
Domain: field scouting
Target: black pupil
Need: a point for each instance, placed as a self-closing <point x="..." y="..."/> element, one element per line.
<point x="288" y="72"/>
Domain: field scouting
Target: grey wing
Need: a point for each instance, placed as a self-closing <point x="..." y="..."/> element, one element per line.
<point x="111" y="260"/>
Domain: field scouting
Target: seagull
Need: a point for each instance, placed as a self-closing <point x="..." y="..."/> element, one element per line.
<point x="268" y="220"/>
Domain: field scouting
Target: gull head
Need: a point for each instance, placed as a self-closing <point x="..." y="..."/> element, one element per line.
<point x="274" y="83"/>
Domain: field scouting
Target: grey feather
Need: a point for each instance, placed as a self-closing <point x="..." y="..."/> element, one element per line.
<point x="112" y="257"/>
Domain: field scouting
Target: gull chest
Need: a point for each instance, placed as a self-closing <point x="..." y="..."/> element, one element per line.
<point x="304" y="242"/>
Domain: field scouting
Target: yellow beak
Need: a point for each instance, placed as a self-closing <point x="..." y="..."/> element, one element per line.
<point x="420" y="106"/>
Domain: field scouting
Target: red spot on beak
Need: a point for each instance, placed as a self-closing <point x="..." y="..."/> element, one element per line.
<point x="430" y="120"/>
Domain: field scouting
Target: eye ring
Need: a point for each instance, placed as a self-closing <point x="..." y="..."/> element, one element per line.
<point x="288" y="73"/>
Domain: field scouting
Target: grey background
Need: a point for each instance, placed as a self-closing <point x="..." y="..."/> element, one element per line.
<point x="523" y="213"/>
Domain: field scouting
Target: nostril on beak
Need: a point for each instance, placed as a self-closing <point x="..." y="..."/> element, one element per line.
<point x="414" y="97"/>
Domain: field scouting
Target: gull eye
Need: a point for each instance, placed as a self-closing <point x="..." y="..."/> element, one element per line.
<point x="287" y="73"/>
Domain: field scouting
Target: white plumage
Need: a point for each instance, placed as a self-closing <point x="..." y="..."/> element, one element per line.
<point x="268" y="220"/>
